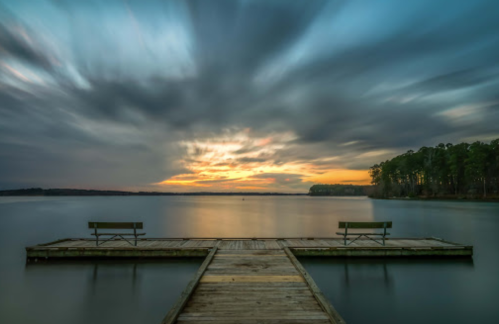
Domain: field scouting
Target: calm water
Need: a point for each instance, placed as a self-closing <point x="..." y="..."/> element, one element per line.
<point x="362" y="290"/>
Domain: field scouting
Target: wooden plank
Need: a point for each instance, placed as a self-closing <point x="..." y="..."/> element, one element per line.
<point x="271" y="245"/>
<point x="203" y="288"/>
<point x="67" y="243"/>
<point x="256" y="313"/>
<point x="249" y="294"/>
<point x="234" y="308"/>
<point x="266" y="321"/>
<point x="174" y="312"/>
<point x="334" y="316"/>
<point x="243" y="285"/>
<point x="249" y="263"/>
<point x="271" y="271"/>
<point x="262" y="299"/>
<point x="248" y="255"/>
<point x="257" y="302"/>
<point x="252" y="279"/>
<point x="250" y="252"/>
<point x="316" y="316"/>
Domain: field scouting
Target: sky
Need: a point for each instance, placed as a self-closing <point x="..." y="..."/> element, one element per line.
<point x="227" y="95"/>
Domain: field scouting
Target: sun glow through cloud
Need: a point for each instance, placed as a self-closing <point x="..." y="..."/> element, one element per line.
<point x="241" y="160"/>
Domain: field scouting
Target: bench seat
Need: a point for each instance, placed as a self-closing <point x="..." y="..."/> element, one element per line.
<point x="133" y="226"/>
<point x="364" y="225"/>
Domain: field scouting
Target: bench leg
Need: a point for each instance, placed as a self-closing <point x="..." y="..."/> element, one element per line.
<point x="344" y="240"/>
<point x="383" y="240"/>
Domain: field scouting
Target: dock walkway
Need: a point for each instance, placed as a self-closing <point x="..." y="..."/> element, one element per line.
<point x="249" y="281"/>
<point x="252" y="286"/>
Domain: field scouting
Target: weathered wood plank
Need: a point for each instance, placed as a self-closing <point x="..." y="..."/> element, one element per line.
<point x="234" y="308"/>
<point x="243" y="285"/>
<point x="321" y="316"/>
<point x="334" y="316"/>
<point x="252" y="289"/>
<point x="255" y="303"/>
<point x="271" y="244"/>
<point x="281" y="271"/>
<point x="265" y="321"/>
<point x="228" y="251"/>
<point x="252" y="279"/>
<point x="255" y="313"/>
<point x="175" y="311"/>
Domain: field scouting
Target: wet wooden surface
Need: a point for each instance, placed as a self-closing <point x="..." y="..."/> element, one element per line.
<point x="252" y="286"/>
<point x="164" y="248"/>
<point x="251" y="244"/>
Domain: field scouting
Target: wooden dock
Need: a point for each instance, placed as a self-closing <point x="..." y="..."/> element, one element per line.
<point x="249" y="281"/>
<point x="252" y="286"/>
<point x="159" y="248"/>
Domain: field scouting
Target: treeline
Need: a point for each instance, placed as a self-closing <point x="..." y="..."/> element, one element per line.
<point x="455" y="171"/>
<point x="338" y="190"/>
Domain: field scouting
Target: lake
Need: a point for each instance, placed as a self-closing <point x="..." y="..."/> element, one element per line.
<point x="397" y="290"/>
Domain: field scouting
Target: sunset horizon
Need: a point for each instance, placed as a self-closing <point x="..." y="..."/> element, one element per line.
<point x="234" y="95"/>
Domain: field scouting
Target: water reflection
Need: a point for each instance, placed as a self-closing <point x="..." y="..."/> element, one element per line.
<point x="397" y="290"/>
<point x="123" y="272"/>
<point x="111" y="291"/>
<point x="258" y="216"/>
<point x="358" y="274"/>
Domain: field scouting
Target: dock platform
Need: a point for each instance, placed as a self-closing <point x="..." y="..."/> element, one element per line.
<point x="333" y="247"/>
<point x="249" y="281"/>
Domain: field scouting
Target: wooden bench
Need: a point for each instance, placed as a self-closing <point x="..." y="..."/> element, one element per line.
<point x="364" y="225"/>
<point x="115" y="225"/>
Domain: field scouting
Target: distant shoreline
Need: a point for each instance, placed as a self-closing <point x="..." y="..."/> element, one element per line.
<point x="38" y="192"/>
<point x="440" y="199"/>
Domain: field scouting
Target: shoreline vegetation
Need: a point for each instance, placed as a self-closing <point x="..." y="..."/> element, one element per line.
<point x="340" y="190"/>
<point x="444" y="172"/>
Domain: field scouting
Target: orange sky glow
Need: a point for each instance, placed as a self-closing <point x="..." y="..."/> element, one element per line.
<point x="241" y="161"/>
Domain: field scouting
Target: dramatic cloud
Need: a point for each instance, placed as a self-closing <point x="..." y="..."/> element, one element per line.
<point x="237" y="95"/>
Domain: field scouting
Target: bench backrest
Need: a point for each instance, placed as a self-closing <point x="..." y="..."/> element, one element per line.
<point x="116" y="225"/>
<point x="365" y="225"/>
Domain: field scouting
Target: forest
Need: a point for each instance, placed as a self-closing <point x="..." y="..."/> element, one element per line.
<point x="337" y="190"/>
<point x="445" y="171"/>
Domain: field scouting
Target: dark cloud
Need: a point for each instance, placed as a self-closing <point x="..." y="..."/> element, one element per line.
<point x="239" y="36"/>
<point x="217" y="181"/>
<point x="318" y="69"/>
<point x="17" y="41"/>
<point x="283" y="181"/>
<point x="251" y="160"/>
<point x="454" y="80"/>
